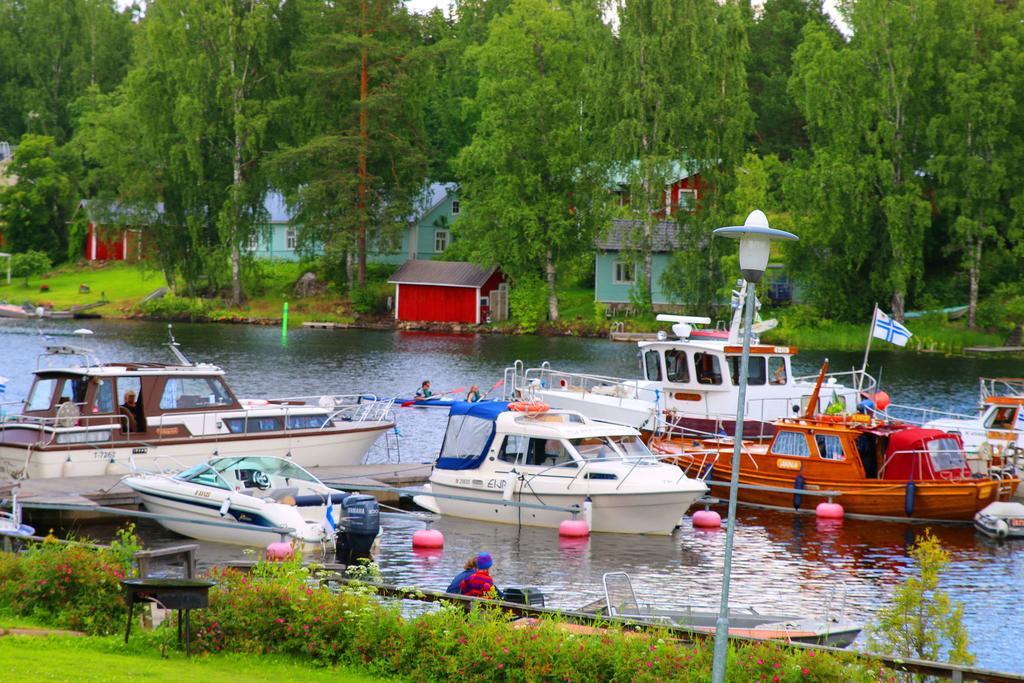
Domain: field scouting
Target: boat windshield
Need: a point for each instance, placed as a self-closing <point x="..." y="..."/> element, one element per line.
<point x="604" y="447"/>
<point x="946" y="454"/>
<point x="275" y="467"/>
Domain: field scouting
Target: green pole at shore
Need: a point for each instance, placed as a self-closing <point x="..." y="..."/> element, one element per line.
<point x="284" y="326"/>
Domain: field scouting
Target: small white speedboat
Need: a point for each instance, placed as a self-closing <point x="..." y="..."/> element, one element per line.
<point x="1001" y="520"/>
<point x="528" y="466"/>
<point x="247" y="498"/>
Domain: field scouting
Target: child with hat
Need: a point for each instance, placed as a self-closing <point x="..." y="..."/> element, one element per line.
<point x="479" y="584"/>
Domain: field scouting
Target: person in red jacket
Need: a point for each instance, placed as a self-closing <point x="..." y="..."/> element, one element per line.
<point x="479" y="584"/>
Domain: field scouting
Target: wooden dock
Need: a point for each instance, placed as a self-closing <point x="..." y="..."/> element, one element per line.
<point x="321" y="325"/>
<point x="110" y="491"/>
<point x="993" y="349"/>
<point x="632" y="336"/>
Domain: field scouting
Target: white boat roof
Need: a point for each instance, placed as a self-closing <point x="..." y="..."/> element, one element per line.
<point x="558" y="424"/>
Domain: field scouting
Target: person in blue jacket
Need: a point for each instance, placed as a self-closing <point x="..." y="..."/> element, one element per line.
<point x="456" y="585"/>
<point x="480" y="584"/>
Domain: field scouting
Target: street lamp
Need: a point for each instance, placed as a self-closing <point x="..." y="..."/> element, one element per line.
<point x="755" y="244"/>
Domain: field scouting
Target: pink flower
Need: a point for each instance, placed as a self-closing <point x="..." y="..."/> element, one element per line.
<point x="805" y="671"/>
<point x="501" y="666"/>
<point x="775" y="679"/>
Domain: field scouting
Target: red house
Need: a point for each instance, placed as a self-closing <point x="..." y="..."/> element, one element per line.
<point x="113" y="233"/>
<point x="444" y="291"/>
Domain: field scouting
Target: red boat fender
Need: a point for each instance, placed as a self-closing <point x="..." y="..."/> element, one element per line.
<point x="707" y="519"/>
<point x="829" y="511"/>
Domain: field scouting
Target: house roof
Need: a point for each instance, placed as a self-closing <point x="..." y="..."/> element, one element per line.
<point x="621" y="236"/>
<point x="431" y="196"/>
<point x="446" y="273"/>
<point x="675" y="170"/>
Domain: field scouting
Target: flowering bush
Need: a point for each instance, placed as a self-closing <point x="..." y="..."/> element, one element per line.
<point x="280" y="610"/>
<point x="69" y="585"/>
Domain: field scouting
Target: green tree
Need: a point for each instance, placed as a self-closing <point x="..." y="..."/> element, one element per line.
<point x="30" y="263"/>
<point x="203" y="100"/>
<point x="974" y="138"/>
<point x="362" y="159"/>
<point x="35" y="211"/>
<point x="863" y="212"/>
<point x="922" y="622"/>
<point x="774" y="37"/>
<point x="532" y="195"/>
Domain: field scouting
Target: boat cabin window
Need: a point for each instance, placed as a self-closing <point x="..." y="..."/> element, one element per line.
<point x="524" y="450"/>
<point x="677" y="368"/>
<point x="631" y="446"/>
<point x="707" y="368"/>
<point x="73" y="390"/>
<point x="306" y="421"/>
<point x="792" y="444"/>
<point x="830" y="446"/>
<point x="1002" y="417"/>
<point x="239" y="425"/>
<point x="42" y="394"/>
<point x="776" y="370"/>
<point x="652" y="366"/>
<point x="594" y="448"/>
<point x="946" y="454"/>
<point x="103" y="399"/>
<point x="126" y="384"/>
<point x="755" y="370"/>
<point x="193" y="392"/>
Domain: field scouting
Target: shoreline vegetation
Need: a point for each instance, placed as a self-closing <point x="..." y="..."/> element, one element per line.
<point x="122" y="287"/>
<point x="285" y="622"/>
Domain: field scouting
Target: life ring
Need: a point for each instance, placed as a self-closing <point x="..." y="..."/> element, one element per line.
<point x="529" y="407"/>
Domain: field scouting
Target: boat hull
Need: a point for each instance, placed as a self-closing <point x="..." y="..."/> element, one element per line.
<point x="22" y="457"/>
<point x="655" y="513"/>
<point x="932" y="500"/>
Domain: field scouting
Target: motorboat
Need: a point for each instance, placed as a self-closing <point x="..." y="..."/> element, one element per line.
<point x="75" y="422"/>
<point x="620" y="602"/>
<point x="247" y="500"/>
<point x="522" y="463"/>
<point x="689" y="383"/>
<point x="1001" y="520"/>
<point x="876" y="468"/>
<point x="11" y="525"/>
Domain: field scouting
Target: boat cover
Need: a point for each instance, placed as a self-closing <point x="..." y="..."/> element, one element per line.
<point x="469" y="434"/>
<point x="921" y="453"/>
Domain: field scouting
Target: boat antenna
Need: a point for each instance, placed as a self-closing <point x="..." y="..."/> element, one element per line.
<point x="812" y="405"/>
<point x="173" y="345"/>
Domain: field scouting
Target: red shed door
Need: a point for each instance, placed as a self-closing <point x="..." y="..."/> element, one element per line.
<point x="437" y="304"/>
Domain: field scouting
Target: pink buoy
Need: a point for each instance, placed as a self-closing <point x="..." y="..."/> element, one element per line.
<point x="707" y="519"/>
<point x="881" y="400"/>
<point x="573" y="528"/>
<point x="279" y="550"/>
<point x="428" y="538"/>
<point x="829" y="511"/>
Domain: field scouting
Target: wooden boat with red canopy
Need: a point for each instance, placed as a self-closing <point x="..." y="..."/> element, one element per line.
<point x="879" y="468"/>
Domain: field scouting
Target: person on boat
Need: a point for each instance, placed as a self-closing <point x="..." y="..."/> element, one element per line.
<point x="474" y="394"/>
<point x="424" y="392"/>
<point x="132" y="412"/>
<point x="456" y="585"/>
<point x="480" y="584"/>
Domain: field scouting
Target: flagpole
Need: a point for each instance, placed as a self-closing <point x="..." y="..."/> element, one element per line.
<point x="867" y="350"/>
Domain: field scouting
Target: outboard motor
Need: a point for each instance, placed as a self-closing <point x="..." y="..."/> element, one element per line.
<point x="360" y="524"/>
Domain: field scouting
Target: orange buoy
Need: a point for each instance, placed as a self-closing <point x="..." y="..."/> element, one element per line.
<point x="573" y="528"/>
<point x="707" y="519"/>
<point x="829" y="511"/>
<point x="428" y="538"/>
<point x="881" y="400"/>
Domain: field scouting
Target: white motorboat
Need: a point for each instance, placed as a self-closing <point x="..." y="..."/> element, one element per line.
<point x="253" y="501"/>
<point x="74" y="422"/>
<point x="499" y="464"/>
<point x="690" y="383"/>
<point x="1001" y="520"/>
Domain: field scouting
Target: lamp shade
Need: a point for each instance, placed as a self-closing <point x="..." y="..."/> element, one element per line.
<point x="755" y="243"/>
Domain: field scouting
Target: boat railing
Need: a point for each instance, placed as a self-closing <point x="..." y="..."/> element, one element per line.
<point x="918" y="415"/>
<point x="924" y="460"/>
<point x="855" y="379"/>
<point x="830" y="601"/>
<point x="521" y="382"/>
<point x="1000" y="386"/>
<point x="343" y="407"/>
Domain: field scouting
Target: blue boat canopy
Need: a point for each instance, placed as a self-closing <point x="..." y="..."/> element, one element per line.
<point x="469" y="435"/>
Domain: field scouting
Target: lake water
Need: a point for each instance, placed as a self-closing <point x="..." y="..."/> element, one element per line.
<point x="782" y="562"/>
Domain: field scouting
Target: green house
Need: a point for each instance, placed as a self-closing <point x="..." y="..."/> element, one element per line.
<point x="619" y="267"/>
<point x="426" y="236"/>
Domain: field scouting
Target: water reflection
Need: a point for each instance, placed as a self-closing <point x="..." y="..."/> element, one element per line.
<point x="782" y="563"/>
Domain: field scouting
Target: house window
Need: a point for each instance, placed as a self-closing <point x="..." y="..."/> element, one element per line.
<point x="254" y="242"/>
<point x="687" y="200"/>
<point x="455" y="207"/>
<point x="290" y="238"/>
<point x="440" y="241"/>
<point x="625" y="273"/>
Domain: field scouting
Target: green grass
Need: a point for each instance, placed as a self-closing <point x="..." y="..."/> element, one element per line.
<point x="68" y="658"/>
<point x="123" y="284"/>
<point x="930" y="334"/>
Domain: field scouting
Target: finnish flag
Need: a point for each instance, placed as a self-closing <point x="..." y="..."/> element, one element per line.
<point x="3" y="385"/>
<point x="331" y="524"/>
<point x="891" y="331"/>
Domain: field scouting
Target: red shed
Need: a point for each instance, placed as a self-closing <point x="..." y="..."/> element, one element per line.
<point x="444" y="291"/>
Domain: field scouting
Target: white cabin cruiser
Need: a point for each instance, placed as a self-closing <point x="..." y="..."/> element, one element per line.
<point x="495" y="456"/>
<point x="76" y="420"/>
<point x="254" y="501"/>
<point x="689" y="384"/>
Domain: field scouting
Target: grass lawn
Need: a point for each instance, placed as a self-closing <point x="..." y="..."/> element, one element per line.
<point x="68" y="658"/>
<point x="930" y="334"/>
<point x="123" y="284"/>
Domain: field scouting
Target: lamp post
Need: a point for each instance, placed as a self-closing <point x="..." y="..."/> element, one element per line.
<point x="755" y="244"/>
